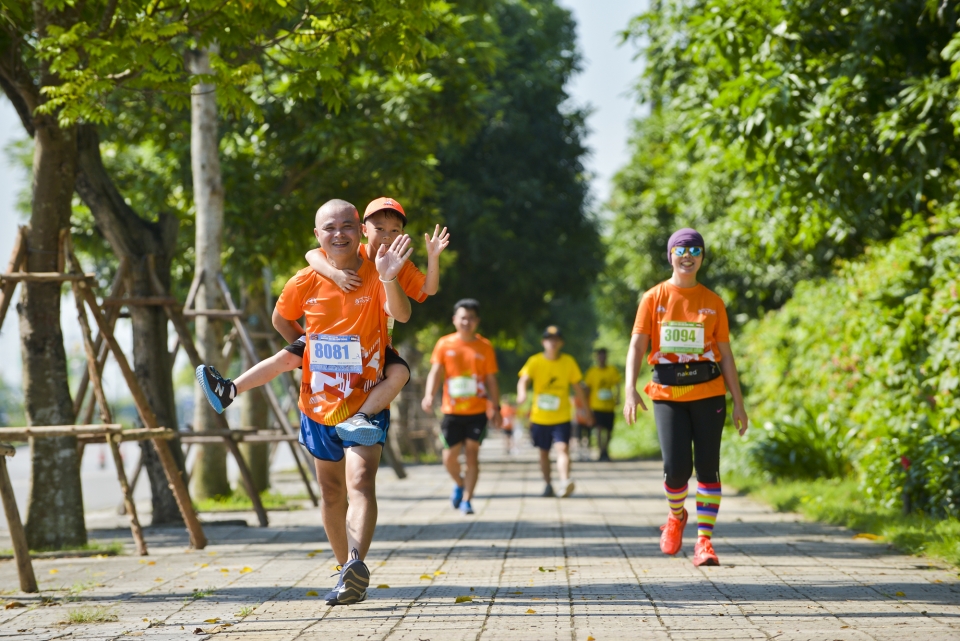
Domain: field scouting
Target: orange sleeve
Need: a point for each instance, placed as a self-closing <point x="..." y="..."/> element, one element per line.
<point x="290" y="303"/>
<point x="412" y="280"/>
<point x="491" y="360"/>
<point x="644" y="321"/>
<point x="722" y="331"/>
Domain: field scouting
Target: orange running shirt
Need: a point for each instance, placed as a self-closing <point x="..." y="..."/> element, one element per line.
<point x="695" y="319"/>
<point x="411" y="279"/>
<point x="465" y="368"/>
<point x="509" y="414"/>
<point x="330" y="397"/>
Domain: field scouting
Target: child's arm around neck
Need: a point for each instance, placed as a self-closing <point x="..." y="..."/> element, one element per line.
<point x="346" y="279"/>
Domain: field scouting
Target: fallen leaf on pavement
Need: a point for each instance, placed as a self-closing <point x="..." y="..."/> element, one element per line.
<point x="438" y="573"/>
<point x="464" y="599"/>
<point x="900" y="594"/>
<point x="246" y="569"/>
<point x="54" y="571"/>
<point x="426" y="576"/>
<point x="591" y="639"/>
<point x="382" y="586"/>
<point x="13" y="604"/>
<point x="211" y="620"/>
<point x="516" y="592"/>
<point x="312" y="593"/>
<point x="867" y="536"/>
<point x="531" y="611"/>
<point x="198" y="631"/>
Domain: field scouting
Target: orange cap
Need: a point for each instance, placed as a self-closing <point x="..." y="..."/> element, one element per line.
<point x="384" y="203"/>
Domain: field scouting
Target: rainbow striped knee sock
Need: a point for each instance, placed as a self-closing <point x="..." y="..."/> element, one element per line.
<point x="708" y="504"/>
<point x="676" y="499"/>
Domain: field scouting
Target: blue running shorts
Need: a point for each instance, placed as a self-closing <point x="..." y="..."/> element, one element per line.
<point x="323" y="442"/>
<point x="544" y="436"/>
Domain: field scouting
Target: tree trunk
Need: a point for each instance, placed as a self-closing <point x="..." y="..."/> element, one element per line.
<point x="209" y="477"/>
<point x="254" y="411"/>
<point x="55" y="506"/>
<point x="134" y="238"/>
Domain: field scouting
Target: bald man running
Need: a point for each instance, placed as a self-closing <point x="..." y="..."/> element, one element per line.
<point x="346" y="338"/>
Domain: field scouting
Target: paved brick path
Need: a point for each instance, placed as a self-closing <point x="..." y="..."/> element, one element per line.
<point x="573" y="569"/>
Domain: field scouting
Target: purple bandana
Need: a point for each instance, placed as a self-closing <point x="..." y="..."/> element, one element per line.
<point x="685" y="237"/>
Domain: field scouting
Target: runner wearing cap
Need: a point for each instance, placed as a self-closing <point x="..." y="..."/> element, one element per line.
<point x="465" y="363"/>
<point x="552" y="374"/>
<point x="603" y="387"/>
<point x="346" y="339"/>
<point x="685" y="326"/>
<point x="383" y="221"/>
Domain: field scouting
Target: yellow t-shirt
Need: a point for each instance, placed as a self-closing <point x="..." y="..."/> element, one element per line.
<point x="603" y="383"/>
<point x="551" y="387"/>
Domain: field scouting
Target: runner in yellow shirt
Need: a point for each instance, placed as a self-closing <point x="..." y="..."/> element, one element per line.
<point x="603" y="386"/>
<point x="552" y="375"/>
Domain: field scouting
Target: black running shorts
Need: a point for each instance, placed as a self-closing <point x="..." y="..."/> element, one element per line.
<point x="603" y="419"/>
<point x="457" y="428"/>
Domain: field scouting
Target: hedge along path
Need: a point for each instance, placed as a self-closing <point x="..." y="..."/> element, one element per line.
<point x="530" y="568"/>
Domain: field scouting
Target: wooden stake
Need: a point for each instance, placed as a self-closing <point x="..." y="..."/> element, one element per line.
<point x="91" y="357"/>
<point x="197" y="538"/>
<point x="128" y="503"/>
<point x="115" y="290"/>
<point x="28" y="580"/>
<point x="183" y="333"/>
<point x="247" y="344"/>
<point x="16" y="258"/>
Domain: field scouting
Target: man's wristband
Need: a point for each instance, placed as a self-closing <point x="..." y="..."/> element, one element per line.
<point x="388" y="281"/>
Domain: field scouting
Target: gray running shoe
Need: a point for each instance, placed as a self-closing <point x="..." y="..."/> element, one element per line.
<point x="548" y="491"/>
<point x="358" y="429"/>
<point x="567" y="488"/>
<point x="352" y="586"/>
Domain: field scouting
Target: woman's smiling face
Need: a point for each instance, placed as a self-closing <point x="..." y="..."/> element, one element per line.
<point x="686" y="265"/>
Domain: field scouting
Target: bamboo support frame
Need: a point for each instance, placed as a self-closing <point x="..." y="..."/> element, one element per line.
<point x="186" y="340"/>
<point x="21" y="551"/>
<point x="198" y="539"/>
<point x="128" y="503"/>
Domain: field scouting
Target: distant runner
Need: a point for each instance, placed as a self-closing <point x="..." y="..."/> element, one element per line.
<point x="552" y="375"/>
<point x="603" y="387"/>
<point x="508" y="423"/>
<point x="685" y="326"/>
<point x="465" y="363"/>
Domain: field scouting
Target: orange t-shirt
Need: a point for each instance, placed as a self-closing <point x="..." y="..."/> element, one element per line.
<point x="668" y="310"/>
<point x="327" y="396"/>
<point x="509" y="414"/>
<point x="411" y="279"/>
<point x="465" y="367"/>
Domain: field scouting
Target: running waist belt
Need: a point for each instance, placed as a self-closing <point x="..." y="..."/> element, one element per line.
<point x="685" y="373"/>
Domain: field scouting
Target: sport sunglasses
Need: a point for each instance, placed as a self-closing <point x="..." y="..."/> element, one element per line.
<point x="682" y="251"/>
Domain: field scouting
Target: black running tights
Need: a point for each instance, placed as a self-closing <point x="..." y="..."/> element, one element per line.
<point x="686" y="425"/>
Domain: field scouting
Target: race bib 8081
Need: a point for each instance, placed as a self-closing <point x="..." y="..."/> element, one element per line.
<point x="335" y="354"/>
<point x="678" y="337"/>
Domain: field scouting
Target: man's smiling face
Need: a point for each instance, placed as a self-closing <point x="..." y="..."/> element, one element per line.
<point x="338" y="231"/>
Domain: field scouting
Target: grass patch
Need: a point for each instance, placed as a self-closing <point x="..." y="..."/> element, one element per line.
<point x="840" y="502"/>
<point x="246" y="611"/>
<point x="202" y="593"/>
<point x="113" y="548"/>
<point x="91" y="615"/>
<point x="238" y="501"/>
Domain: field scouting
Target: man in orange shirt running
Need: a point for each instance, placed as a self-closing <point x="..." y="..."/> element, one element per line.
<point x="346" y="338"/>
<point x="469" y="365"/>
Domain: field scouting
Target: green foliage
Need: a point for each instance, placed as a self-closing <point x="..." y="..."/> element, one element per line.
<point x="513" y="195"/>
<point x="858" y="373"/>
<point x="91" y="615"/>
<point x="840" y="502"/>
<point x="791" y="134"/>
<point x="238" y="501"/>
<point x="90" y="50"/>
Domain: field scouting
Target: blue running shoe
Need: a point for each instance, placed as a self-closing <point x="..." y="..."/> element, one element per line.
<point x="358" y="429"/>
<point x="456" y="496"/>
<point x="466" y="508"/>
<point x="219" y="391"/>
<point x="353" y="583"/>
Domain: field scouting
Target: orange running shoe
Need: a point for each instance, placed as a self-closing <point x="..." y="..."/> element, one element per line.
<point x="671" y="537"/>
<point x="703" y="553"/>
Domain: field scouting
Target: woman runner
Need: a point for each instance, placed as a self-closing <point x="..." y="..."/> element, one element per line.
<point x="685" y="326"/>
